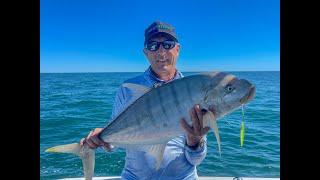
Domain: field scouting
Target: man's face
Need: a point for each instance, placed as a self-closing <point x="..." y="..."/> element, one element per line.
<point x="162" y="60"/>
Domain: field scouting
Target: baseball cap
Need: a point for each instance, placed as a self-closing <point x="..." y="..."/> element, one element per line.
<point x="158" y="27"/>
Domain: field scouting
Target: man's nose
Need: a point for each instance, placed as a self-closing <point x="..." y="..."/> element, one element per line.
<point x="161" y="49"/>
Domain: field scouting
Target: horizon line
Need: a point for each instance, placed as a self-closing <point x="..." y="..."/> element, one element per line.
<point x="143" y="71"/>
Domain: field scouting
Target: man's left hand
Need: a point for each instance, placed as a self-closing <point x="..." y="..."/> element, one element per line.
<point x="196" y="131"/>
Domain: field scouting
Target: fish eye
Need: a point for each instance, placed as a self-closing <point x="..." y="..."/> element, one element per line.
<point x="229" y="88"/>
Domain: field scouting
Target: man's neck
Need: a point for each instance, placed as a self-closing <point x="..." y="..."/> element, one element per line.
<point x="166" y="76"/>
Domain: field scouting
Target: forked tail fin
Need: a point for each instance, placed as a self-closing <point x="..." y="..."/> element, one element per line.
<point x="86" y="154"/>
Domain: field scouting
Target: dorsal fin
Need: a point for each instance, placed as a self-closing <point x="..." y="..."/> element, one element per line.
<point x="136" y="88"/>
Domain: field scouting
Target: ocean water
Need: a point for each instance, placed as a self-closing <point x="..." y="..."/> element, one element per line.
<point x="72" y="104"/>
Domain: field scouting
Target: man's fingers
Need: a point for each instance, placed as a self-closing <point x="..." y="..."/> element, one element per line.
<point x="186" y="127"/>
<point x="96" y="140"/>
<point x="195" y="121"/>
<point x="82" y="141"/>
<point x="90" y="140"/>
<point x="91" y="144"/>
<point x="89" y="135"/>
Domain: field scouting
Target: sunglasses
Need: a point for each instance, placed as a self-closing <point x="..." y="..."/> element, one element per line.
<point x="154" y="45"/>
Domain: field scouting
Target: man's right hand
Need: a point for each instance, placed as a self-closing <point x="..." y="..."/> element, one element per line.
<point x="93" y="140"/>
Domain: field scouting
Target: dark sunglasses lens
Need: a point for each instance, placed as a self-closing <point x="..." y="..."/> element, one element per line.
<point x="168" y="44"/>
<point x="153" y="46"/>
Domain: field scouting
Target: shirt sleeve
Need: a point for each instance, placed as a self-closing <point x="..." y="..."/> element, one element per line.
<point x="196" y="156"/>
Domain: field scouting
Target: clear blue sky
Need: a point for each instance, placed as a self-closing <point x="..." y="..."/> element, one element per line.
<point x="107" y="35"/>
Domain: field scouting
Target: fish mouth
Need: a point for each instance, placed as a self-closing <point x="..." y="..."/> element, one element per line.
<point x="249" y="96"/>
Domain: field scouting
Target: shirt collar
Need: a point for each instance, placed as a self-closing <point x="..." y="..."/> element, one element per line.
<point x="155" y="79"/>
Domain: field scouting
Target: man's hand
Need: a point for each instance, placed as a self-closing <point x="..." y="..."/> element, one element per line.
<point x="93" y="140"/>
<point x="196" y="131"/>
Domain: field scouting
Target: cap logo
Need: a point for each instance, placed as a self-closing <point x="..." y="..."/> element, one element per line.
<point x="164" y="27"/>
<point x="159" y="26"/>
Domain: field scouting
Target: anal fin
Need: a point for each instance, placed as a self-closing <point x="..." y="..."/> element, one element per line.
<point x="156" y="151"/>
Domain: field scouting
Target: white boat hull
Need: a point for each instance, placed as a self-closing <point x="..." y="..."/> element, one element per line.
<point x="200" y="178"/>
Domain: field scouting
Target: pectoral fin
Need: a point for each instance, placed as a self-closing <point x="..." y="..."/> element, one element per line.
<point x="156" y="151"/>
<point x="210" y="121"/>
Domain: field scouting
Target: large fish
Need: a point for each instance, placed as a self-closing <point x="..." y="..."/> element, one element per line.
<point x="152" y="120"/>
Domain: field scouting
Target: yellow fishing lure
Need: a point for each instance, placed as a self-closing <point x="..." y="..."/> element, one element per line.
<point x="242" y="129"/>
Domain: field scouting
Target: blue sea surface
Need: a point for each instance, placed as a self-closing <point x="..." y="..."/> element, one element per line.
<point x="72" y="104"/>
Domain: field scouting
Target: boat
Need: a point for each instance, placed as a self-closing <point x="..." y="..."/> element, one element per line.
<point x="200" y="178"/>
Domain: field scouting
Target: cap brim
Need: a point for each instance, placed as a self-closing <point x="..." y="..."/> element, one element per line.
<point x="157" y="33"/>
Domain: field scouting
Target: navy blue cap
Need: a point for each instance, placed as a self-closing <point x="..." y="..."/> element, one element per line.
<point x="158" y="27"/>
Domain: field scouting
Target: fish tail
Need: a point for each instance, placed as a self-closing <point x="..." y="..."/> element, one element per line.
<point x="86" y="154"/>
<point x="73" y="148"/>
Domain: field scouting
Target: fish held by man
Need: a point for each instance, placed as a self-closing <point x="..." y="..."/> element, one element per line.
<point x="142" y="128"/>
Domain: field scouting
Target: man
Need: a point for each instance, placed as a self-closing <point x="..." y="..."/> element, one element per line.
<point x="182" y="154"/>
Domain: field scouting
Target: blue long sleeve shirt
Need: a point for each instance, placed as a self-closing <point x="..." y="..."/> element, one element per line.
<point x="179" y="161"/>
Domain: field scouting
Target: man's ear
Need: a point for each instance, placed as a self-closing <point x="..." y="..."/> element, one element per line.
<point x="145" y="51"/>
<point x="178" y="49"/>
